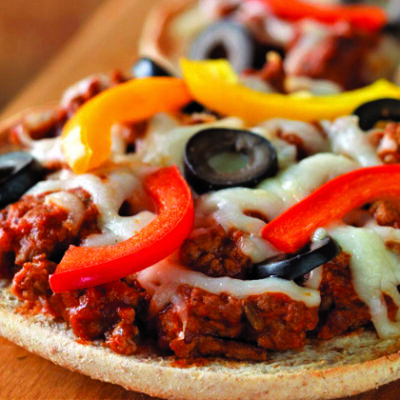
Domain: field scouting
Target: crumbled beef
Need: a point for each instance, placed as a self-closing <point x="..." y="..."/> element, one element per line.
<point x="337" y="57"/>
<point x="95" y="87"/>
<point x="389" y="144"/>
<point x="386" y="212"/>
<point x="49" y="123"/>
<point x="32" y="280"/>
<point x="272" y="72"/>
<point x="33" y="227"/>
<point x="39" y="125"/>
<point x="104" y="312"/>
<point x="132" y="132"/>
<point x="341" y="309"/>
<point x="216" y="253"/>
<point x="251" y="325"/>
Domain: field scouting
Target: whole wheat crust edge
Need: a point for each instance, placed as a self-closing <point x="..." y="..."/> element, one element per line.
<point x="340" y="367"/>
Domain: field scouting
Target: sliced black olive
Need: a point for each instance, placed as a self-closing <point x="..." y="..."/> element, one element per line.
<point x="377" y="110"/>
<point x="19" y="171"/>
<point x="207" y="155"/>
<point x="193" y="107"/>
<point x="146" y="68"/>
<point x="393" y="28"/>
<point x="230" y="40"/>
<point x="293" y="266"/>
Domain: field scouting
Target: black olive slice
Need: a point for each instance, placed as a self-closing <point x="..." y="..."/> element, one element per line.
<point x="193" y="108"/>
<point x="377" y="110"/>
<point x="147" y="68"/>
<point x="230" y="40"/>
<point x="207" y="154"/>
<point x="293" y="266"/>
<point x="19" y="171"/>
<point x="393" y="28"/>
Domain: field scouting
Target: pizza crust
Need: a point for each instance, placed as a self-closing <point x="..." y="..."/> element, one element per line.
<point x="157" y="40"/>
<point x="340" y="367"/>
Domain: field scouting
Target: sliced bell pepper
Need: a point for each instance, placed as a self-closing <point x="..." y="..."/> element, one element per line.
<point x="83" y="267"/>
<point x="86" y="137"/>
<point x="215" y="85"/>
<point x="365" y="17"/>
<point x="332" y="201"/>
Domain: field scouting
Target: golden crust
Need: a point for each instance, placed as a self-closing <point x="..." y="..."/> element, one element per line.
<point x="157" y="39"/>
<point x="340" y="367"/>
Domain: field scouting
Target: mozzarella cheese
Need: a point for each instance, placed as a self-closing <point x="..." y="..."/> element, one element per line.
<point x="163" y="279"/>
<point x="375" y="272"/>
<point x="108" y="193"/>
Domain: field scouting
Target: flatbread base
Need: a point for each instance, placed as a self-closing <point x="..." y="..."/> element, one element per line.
<point x="331" y="369"/>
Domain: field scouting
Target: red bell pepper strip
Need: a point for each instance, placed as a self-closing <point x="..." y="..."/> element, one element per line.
<point x="365" y="17"/>
<point x="293" y="229"/>
<point x="83" y="267"/>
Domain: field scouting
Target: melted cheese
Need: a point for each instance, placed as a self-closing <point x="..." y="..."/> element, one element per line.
<point x="347" y="138"/>
<point x="311" y="137"/>
<point x="163" y="279"/>
<point x="375" y="272"/>
<point x="107" y="193"/>
<point x="299" y="180"/>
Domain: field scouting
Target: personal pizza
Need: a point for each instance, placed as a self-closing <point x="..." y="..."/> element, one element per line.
<point x="198" y="238"/>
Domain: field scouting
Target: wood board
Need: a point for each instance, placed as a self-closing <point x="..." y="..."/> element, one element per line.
<point x="106" y="42"/>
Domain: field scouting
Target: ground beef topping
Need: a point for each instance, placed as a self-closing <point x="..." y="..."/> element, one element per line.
<point x="216" y="253"/>
<point x="389" y="144"/>
<point x="333" y="57"/>
<point x="341" y="309"/>
<point x="386" y="212"/>
<point x="33" y="227"/>
<point x="270" y="321"/>
<point x="104" y="312"/>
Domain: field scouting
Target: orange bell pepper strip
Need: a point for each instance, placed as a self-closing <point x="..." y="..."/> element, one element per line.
<point x="364" y="17"/>
<point x="293" y="229"/>
<point x="86" y="137"/>
<point x="83" y="267"/>
<point x="215" y="85"/>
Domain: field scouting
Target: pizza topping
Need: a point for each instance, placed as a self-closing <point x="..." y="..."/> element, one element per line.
<point x="389" y="144"/>
<point x="215" y="85"/>
<point x="219" y="324"/>
<point x="162" y="280"/>
<point x="87" y="135"/>
<point x="374" y="271"/>
<point x="146" y="67"/>
<point x="361" y="16"/>
<point x="19" y="171"/>
<point x="230" y="40"/>
<point x="293" y="229"/>
<point x="218" y="158"/>
<point x="216" y="253"/>
<point x="341" y="309"/>
<point x="378" y="110"/>
<point x="294" y="266"/>
<point x="90" y="266"/>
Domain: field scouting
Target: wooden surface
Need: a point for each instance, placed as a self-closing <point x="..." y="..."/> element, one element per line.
<point x="106" y="42"/>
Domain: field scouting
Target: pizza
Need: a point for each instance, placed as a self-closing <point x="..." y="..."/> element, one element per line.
<point x="197" y="238"/>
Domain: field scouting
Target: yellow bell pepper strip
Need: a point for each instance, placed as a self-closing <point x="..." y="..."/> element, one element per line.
<point x="83" y="267"/>
<point x="332" y="201"/>
<point x="371" y="18"/>
<point x="86" y="137"/>
<point x="215" y="85"/>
